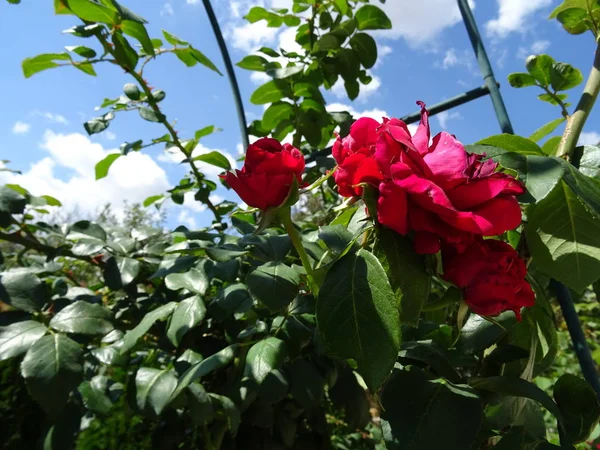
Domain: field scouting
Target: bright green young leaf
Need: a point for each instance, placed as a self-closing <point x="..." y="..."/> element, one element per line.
<point x="31" y="66"/>
<point x="274" y="284"/>
<point x="52" y="369"/>
<point x="370" y="17"/>
<point x="551" y="145"/>
<point x="545" y="130"/>
<point x="565" y="76"/>
<point x="540" y="66"/>
<point x="93" y="12"/>
<point x="366" y="49"/>
<point x="23" y="290"/>
<point x="253" y="62"/>
<point x="358" y="316"/>
<point x="579" y="406"/>
<point x="188" y="314"/>
<point x="277" y="113"/>
<point x="17" y="337"/>
<point x="172" y="39"/>
<point x="214" y="158"/>
<point x="269" y="92"/>
<point x="82" y="317"/>
<point x="153" y="388"/>
<point x="138" y="31"/>
<point x="132" y="336"/>
<point x="564" y="238"/>
<point x="574" y="20"/>
<point x="85" y="67"/>
<point x="416" y="410"/>
<point x="520" y="80"/>
<point x="203" y="132"/>
<point x="512" y="143"/>
<point x="194" y="281"/>
<point x="204" y="367"/>
<point x="202" y="59"/>
<point x="103" y="166"/>
<point x="264" y="357"/>
<point x="406" y="272"/>
<point x="153" y="199"/>
<point x="566" y="4"/>
<point x="553" y="99"/>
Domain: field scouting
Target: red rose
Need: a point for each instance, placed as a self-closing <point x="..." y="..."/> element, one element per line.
<point x="354" y="155"/>
<point x="268" y="173"/>
<point x="492" y="276"/>
<point x="439" y="190"/>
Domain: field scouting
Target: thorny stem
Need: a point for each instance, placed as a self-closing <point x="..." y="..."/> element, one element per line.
<point x="286" y="220"/>
<point x="577" y="120"/>
<point x="163" y="119"/>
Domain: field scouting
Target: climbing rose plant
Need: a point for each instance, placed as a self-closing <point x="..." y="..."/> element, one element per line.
<point x="400" y="295"/>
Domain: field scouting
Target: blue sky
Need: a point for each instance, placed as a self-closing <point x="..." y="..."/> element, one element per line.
<point x="426" y="56"/>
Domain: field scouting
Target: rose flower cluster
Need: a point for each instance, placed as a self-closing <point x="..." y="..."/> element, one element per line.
<point x="447" y="199"/>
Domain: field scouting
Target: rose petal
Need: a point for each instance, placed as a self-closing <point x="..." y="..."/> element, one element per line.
<point x="364" y="131"/>
<point x="426" y="243"/>
<point x="422" y="135"/>
<point x="447" y="160"/>
<point x="392" y="207"/>
<point x="479" y="191"/>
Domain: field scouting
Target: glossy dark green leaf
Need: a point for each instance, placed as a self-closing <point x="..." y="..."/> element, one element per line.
<point x="194" y="281"/>
<point x="264" y="357"/>
<point x="52" y="369"/>
<point x="277" y="113"/>
<point x="83" y="318"/>
<point x="589" y="164"/>
<point x="417" y="411"/>
<point x="406" y="272"/>
<point x="82" y="50"/>
<point x="214" y="362"/>
<point x="366" y="49"/>
<point x="103" y="166"/>
<point x="85" y="229"/>
<point x="36" y="64"/>
<point x="133" y="335"/>
<point x="370" y="17"/>
<point x="274" y="284"/>
<point x="579" y="406"/>
<point x="150" y="115"/>
<point x="94" y="397"/>
<point x="512" y="143"/>
<point x="11" y="201"/>
<point x="520" y="80"/>
<point x="153" y="388"/>
<point x="478" y="334"/>
<point x="16" y="338"/>
<point x="327" y="42"/>
<point x="96" y="125"/>
<point x="187" y="315"/>
<point x="235" y="298"/>
<point x="253" y="62"/>
<point x="540" y="66"/>
<point x="200" y="404"/>
<point x="138" y="31"/>
<point x="23" y="290"/>
<point x="124" y="52"/>
<point x="307" y="383"/>
<point x="565" y="76"/>
<point x="214" y="158"/>
<point x="358" y="316"/>
<point x="269" y="92"/>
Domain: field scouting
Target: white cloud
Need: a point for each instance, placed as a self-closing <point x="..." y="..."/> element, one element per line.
<point x="537" y="47"/>
<point x="375" y="113"/>
<point x="51" y="117"/>
<point x="445" y="116"/>
<point x="589" y="138"/>
<point x="420" y="22"/>
<point x="212" y="172"/>
<point x="167" y="10"/>
<point x="21" y="128"/>
<point x="259" y="77"/>
<point x="454" y="58"/>
<point x="133" y="177"/>
<point x="185" y="218"/>
<point x="513" y="15"/>
<point x="192" y="2"/>
<point x="366" y="91"/>
<point x="251" y="36"/>
<point x="109" y="135"/>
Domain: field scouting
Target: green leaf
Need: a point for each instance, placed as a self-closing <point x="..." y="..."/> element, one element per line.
<point x="565" y="76"/>
<point x="188" y="314"/>
<point x="172" y="39"/>
<point x="204" y="367"/>
<point x="566" y="4"/>
<point x="308" y="385"/>
<point x="138" y="31"/>
<point x="214" y="158"/>
<point x="202" y="59"/>
<point x="366" y="49"/>
<point x="540" y="66"/>
<point x="284" y="72"/>
<point x="93" y="12"/>
<point x="479" y="333"/>
<point x="520" y="80"/>
<point x="102" y="167"/>
<point x="516" y="387"/>
<point x="370" y="17"/>
<point x="512" y="143"/>
<point x="82" y="317"/>
<point x="85" y="67"/>
<point x="31" y="66"/>
<point x="94" y="397"/>
<point x="153" y="388"/>
<point x="97" y="125"/>
<point x="23" y="290"/>
<point x="545" y="130"/>
<point x="125" y="54"/>
<point x="327" y="42"/>
<point x="224" y="253"/>
<point x="579" y="406"/>
<point x="52" y="369"/>
<point x="564" y="238"/>
<point x="551" y="145"/>
<point x="129" y="268"/>
<point x="203" y="132"/>
<point x="82" y="50"/>
<point x="86" y="229"/>
<point x="274" y="284"/>
<point x="150" y="115"/>
<point x="269" y="52"/>
<point x="589" y="164"/>
<point x="17" y="337"/>
<point x="348" y="65"/>
<point x="264" y="357"/>
<point x="358" y="317"/>
<point x="253" y="62"/>
<point x="194" y="281"/>
<point x="553" y="99"/>
<point x="417" y="411"/>
<point x="11" y="201"/>
<point x="153" y="199"/>
<point x="133" y="335"/>
<point x="269" y="92"/>
<point x="277" y="113"/>
<point x="406" y="272"/>
<point x="574" y="20"/>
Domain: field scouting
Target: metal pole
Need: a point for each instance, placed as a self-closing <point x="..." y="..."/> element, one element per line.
<point x="230" y="72"/>
<point x="485" y="67"/>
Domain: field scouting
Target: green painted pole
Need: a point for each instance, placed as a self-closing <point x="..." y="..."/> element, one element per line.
<point x="485" y="67"/>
